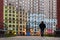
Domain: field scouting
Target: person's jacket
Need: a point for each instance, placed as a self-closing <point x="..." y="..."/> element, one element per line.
<point x="42" y="26"/>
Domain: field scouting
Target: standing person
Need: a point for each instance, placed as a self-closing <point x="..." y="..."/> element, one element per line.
<point x="42" y="26"/>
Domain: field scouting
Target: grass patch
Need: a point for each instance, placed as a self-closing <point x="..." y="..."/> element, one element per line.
<point x="49" y="35"/>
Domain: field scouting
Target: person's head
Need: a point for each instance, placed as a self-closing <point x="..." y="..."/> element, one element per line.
<point x="42" y="22"/>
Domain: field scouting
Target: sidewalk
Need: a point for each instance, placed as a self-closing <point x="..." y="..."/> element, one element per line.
<point x="30" y="38"/>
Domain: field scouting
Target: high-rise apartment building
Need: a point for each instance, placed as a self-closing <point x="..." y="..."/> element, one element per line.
<point x="41" y="10"/>
<point x="38" y="10"/>
<point x="50" y="12"/>
<point x="18" y="15"/>
<point x="15" y="16"/>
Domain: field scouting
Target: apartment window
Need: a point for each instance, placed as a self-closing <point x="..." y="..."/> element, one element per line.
<point x="20" y="25"/>
<point x="17" y="22"/>
<point x="23" y="26"/>
<point x="13" y="15"/>
<point x="5" y="14"/>
<point x="9" y="7"/>
<point x="13" y="11"/>
<point x="20" y="12"/>
<point x="20" y="22"/>
<point x="23" y="20"/>
<point x="28" y="17"/>
<point x="9" y="21"/>
<point x="21" y="33"/>
<point x="16" y="12"/>
<point x="20" y="19"/>
<point x="26" y="13"/>
<point x="9" y="11"/>
<point x="5" y="18"/>
<point x="17" y="27"/>
<point x="20" y="15"/>
<point x="20" y="29"/>
<point x="20" y="9"/>
<point x="13" y="8"/>
<point x="24" y="16"/>
<point x="9" y="14"/>
<point x="13" y="25"/>
<point x="9" y="25"/>
<point x="23" y="12"/>
<point x="5" y="21"/>
<point x="9" y="3"/>
<point x="6" y="11"/>
<point x="13" y="18"/>
<point x="5" y="7"/>
<point x="23" y="29"/>
<point x="13" y="28"/>
<point x="9" y="18"/>
<point x="13" y="21"/>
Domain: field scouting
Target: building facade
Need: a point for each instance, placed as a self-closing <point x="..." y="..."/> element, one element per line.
<point x="18" y="15"/>
<point x="15" y="16"/>
<point x="41" y="10"/>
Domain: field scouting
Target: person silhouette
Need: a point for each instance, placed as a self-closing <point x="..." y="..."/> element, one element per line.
<point x="42" y="26"/>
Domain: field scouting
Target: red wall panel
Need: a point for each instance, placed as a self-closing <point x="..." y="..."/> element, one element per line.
<point x="1" y="14"/>
<point x="58" y="13"/>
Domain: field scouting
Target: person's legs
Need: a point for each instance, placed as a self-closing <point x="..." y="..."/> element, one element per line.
<point x="42" y="32"/>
